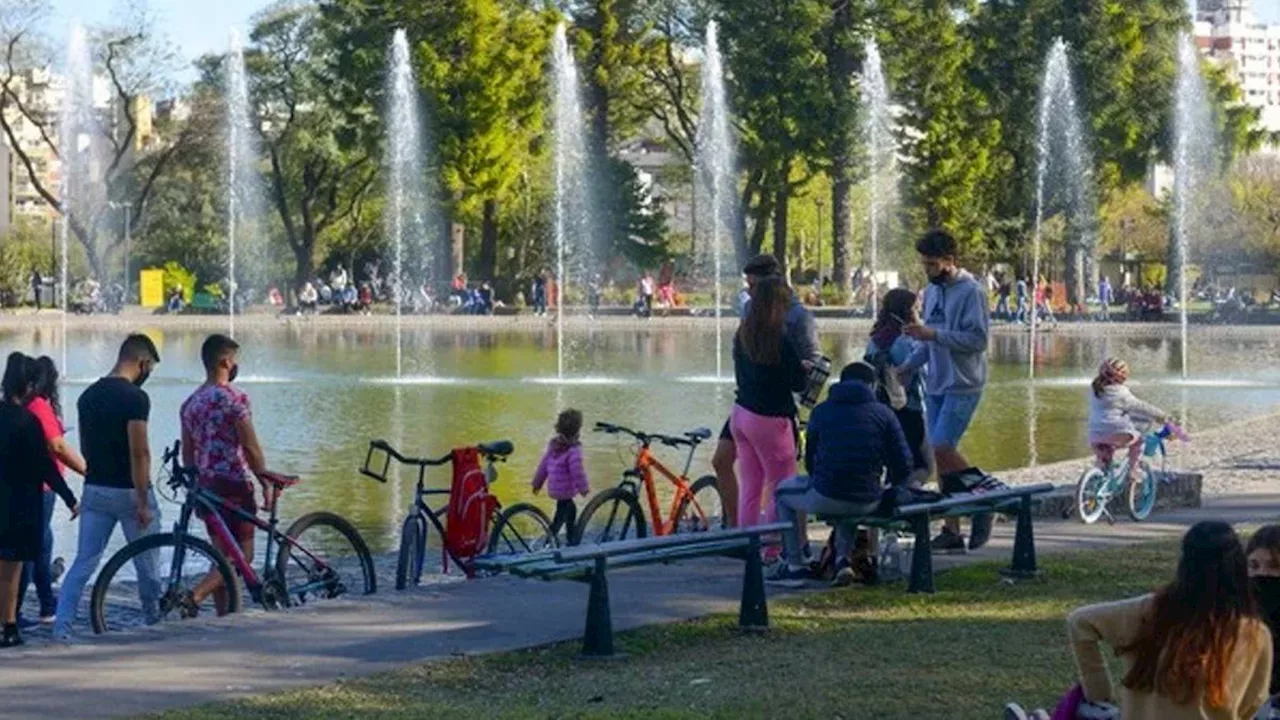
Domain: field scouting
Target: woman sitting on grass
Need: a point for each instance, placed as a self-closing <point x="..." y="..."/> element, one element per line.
<point x="1193" y="649"/>
<point x="1264" y="574"/>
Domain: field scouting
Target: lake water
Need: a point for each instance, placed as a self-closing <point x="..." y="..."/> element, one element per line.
<point x="320" y="394"/>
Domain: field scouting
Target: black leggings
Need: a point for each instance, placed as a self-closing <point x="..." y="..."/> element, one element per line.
<point x="566" y="517"/>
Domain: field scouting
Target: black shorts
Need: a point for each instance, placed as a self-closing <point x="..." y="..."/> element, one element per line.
<point x="912" y="422"/>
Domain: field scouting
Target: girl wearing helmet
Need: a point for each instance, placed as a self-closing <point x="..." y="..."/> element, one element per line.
<point x="1112" y="410"/>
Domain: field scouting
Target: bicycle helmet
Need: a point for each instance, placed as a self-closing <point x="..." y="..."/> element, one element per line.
<point x="1113" y="371"/>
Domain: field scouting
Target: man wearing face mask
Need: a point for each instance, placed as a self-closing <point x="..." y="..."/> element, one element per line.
<point x="1264" y="573"/>
<point x="954" y="345"/>
<point x="219" y="441"/>
<point x="117" y="487"/>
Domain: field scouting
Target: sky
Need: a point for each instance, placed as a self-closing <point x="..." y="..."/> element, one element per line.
<point x="194" y="27"/>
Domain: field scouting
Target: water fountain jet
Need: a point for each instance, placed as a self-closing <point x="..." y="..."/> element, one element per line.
<point x="881" y="155"/>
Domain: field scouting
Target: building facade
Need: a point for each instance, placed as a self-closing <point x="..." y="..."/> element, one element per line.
<point x="1228" y="31"/>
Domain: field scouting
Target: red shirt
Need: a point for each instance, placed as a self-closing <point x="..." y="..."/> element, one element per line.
<point x="209" y="416"/>
<point x="50" y="425"/>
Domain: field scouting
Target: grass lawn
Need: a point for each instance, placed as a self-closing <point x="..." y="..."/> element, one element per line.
<point x="858" y="653"/>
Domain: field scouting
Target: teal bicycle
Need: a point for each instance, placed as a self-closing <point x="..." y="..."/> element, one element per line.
<point x="1097" y="488"/>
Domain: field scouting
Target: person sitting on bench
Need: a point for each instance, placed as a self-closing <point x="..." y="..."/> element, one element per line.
<point x="849" y="442"/>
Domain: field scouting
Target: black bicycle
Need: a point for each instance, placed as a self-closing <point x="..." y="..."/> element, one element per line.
<point x="321" y="556"/>
<point x="521" y="528"/>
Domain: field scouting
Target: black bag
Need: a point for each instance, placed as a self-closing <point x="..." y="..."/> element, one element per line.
<point x="897" y="496"/>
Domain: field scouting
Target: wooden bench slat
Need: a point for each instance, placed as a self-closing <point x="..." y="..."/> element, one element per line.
<point x="553" y="570"/>
<point x="984" y="500"/>
<point x="589" y="552"/>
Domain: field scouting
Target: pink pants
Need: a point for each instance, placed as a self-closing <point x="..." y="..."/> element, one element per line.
<point x="766" y="451"/>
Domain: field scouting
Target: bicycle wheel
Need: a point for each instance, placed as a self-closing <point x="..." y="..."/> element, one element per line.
<point x="612" y="515"/>
<point x="413" y="545"/>
<point x="1088" y="490"/>
<point x="181" y="562"/>
<point x="702" y="509"/>
<point x="1142" y="494"/>
<point x="523" y="528"/>
<point x="329" y="560"/>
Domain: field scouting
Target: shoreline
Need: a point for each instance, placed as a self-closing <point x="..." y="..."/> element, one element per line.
<point x="133" y="318"/>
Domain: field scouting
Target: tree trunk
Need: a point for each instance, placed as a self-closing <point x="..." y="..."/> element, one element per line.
<point x="489" y="242"/>
<point x="457" y="248"/>
<point x="304" y="265"/>
<point x="780" y="229"/>
<point x="842" y="67"/>
<point x="1073" y="275"/>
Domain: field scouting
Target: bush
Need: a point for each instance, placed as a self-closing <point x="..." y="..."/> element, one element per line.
<point x="176" y="276"/>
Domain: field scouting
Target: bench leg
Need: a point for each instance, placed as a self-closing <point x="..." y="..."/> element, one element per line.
<point x="754" y="611"/>
<point x="921" y="557"/>
<point x="1024" y="545"/>
<point x="597" y="640"/>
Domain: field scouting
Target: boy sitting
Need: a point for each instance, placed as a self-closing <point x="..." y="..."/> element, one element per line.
<point x="850" y="440"/>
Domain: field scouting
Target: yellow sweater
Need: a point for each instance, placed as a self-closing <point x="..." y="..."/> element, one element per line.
<point x="1117" y="625"/>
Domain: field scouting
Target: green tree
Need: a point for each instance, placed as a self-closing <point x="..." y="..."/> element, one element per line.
<point x="321" y="163"/>
<point x="949" y="136"/>
<point x="779" y="95"/>
<point x="480" y="64"/>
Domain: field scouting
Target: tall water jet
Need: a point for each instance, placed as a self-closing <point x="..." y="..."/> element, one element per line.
<point x="1194" y="140"/>
<point x="410" y="203"/>
<point x="716" y="171"/>
<point x="1063" y="177"/>
<point x="245" y="211"/>
<point x="74" y="126"/>
<point x="572" y="212"/>
<point x="882" y="166"/>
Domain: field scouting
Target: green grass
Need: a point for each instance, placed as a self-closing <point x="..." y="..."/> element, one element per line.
<point x="856" y="653"/>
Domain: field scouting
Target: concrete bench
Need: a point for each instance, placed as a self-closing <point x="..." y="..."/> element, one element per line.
<point x="916" y="518"/>
<point x="591" y="564"/>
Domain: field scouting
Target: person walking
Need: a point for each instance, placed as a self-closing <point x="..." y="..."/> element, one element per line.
<point x="803" y="333"/>
<point x="540" y="293"/>
<point x="37" y="284"/>
<point x="561" y="471"/>
<point x="1104" y="298"/>
<point x="45" y="406"/>
<point x="113" y="413"/>
<point x="768" y="369"/>
<point x="1020" y="294"/>
<point x="886" y="349"/>
<point x="1002" y="300"/>
<point x="953" y="341"/>
<point x="25" y="467"/>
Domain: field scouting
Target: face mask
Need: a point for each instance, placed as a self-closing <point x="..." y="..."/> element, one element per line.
<point x="142" y="377"/>
<point x="942" y="278"/>
<point x="1267" y="591"/>
<point x="235" y="372"/>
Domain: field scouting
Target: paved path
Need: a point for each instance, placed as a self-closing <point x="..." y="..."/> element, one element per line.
<point x="256" y="652"/>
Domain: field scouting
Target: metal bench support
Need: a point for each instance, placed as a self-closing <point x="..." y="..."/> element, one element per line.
<point x="754" y="611"/>
<point x="921" y="556"/>
<point x="1024" y="545"/>
<point x="597" y="640"/>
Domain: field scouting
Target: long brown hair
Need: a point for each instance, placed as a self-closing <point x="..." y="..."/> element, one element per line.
<point x="1186" y="642"/>
<point x="762" y="329"/>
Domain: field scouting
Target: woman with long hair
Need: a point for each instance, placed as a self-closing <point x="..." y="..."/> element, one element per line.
<point x="768" y="369"/>
<point x="25" y="466"/>
<point x="1195" y="648"/>
<point x="888" y="348"/>
<point x="45" y="406"/>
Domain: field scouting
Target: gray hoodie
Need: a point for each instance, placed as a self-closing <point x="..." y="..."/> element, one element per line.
<point x="957" y="359"/>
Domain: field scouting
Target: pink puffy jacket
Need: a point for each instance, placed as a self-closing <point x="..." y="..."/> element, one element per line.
<point x="561" y="470"/>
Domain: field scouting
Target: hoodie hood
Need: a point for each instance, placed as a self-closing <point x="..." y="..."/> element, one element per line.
<point x="853" y="392"/>
<point x="560" y="444"/>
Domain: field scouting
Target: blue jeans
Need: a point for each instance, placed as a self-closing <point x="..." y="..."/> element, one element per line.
<point x="1002" y="307"/>
<point x="1021" y="315"/>
<point x="797" y="495"/>
<point x="40" y="571"/>
<point x="100" y="509"/>
<point x="949" y="417"/>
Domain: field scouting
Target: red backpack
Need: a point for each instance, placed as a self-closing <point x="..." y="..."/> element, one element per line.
<point x="470" y="506"/>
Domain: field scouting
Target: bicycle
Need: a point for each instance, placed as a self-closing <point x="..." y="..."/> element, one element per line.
<point x="523" y="527"/>
<point x="295" y="570"/>
<point x="696" y="507"/>
<point x="1096" y="488"/>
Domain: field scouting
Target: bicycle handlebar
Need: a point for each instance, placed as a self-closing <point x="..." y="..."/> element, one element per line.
<point x="493" y="452"/>
<point x="692" y="438"/>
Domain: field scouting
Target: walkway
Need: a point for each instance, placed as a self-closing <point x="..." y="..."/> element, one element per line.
<point x="256" y="652"/>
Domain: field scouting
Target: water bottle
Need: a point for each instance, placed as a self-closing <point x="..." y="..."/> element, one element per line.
<point x="818" y="374"/>
<point x="891" y="558"/>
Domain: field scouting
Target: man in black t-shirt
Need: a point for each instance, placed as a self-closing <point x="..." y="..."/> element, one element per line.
<point x="117" y="488"/>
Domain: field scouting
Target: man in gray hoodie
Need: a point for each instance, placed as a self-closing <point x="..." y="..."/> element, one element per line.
<point x="954" y="345"/>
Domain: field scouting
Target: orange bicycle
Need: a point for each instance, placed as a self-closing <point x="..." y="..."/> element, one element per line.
<point x="616" y="514"/>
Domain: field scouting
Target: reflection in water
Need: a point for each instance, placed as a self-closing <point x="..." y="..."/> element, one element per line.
<point x="320" y="394"/>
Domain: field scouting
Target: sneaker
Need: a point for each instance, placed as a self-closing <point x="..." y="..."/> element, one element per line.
<point x="58" y="568"/>
<point x="784" y="573"/>
<point x="1014" y="711"/>
<point x="25" y="623"/>
<point x="948" y="541"/>
<point x="844" y="576"/>
<point x="11" y="637"/>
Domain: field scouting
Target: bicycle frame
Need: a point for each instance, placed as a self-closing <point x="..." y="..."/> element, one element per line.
<point x="646" y="464"/>
<point x="212" y="503"/>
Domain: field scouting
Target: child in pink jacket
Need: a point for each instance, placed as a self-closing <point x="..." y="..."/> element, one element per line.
<point x="562" y="472"/>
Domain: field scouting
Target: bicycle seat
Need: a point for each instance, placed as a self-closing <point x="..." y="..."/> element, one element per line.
<point x="278" y="480"/>
<point x="497" y="448"/>
<point x="699" y="434"/>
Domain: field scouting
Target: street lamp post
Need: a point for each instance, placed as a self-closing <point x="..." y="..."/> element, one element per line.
<point x="818" y="201"/>
<point x="128" y="239"/>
